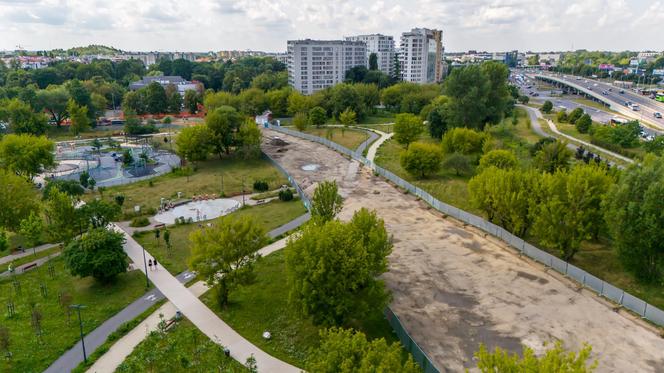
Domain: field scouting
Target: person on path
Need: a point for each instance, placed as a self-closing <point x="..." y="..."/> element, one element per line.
<point x="150" y="264"/>
<point x="155" y="264"/>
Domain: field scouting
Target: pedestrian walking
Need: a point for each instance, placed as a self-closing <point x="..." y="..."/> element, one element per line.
<point x="150" y="264"/>
<point x="155" y="264"/>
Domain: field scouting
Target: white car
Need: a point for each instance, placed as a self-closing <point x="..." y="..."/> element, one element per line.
<point x="657" y="115"/>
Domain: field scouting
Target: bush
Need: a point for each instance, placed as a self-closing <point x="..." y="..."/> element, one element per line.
<point x="421" y="159"/>
<point x="261" y="186"/>
<point x="464" y="141"/>
<point x="562" y="116"/>
<point x="583" y="123"/>
<point x="500" y="158"/>
<point x="540" y="144"/>
<point x="141" y="221"/>
<point x="547" y="107"/>
<point x="458" y="162"/>
<point x="119" y="199"/>
<point x="574" y="115"/>
<point x="285" y="195"/>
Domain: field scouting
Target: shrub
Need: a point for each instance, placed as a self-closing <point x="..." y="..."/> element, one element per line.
<point x="464" y="141"/>
<point x="140" y="221"/>
<point x="500" y="158"/>
<point x="547" y="107"/>
<point x="285" y="195"/>
<point x="119" y="199"/>
<point x="562" y="116"/>
<point x="421" y="159"/>
<point x="261" y="186"/>
<point x="574" y="115"/>
<point x="458" y="162"/>
<point x="583" y="123"/>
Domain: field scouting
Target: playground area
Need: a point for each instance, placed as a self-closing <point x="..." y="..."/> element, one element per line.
<point x="198" y="210"/>
<point x="106" y="164"/>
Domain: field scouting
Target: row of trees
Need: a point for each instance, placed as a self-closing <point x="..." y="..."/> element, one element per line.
<point x="155" y="99"/>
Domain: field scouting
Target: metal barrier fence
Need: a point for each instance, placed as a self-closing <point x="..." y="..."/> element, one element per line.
<point x="292" y="181"/>
<point x="409" y="343"/>
<point x="601" y="287"/>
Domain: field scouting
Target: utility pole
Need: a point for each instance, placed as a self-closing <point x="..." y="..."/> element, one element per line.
<point x="80" y="324"/>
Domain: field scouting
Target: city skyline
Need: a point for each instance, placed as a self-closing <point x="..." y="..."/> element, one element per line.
<point x="207" y="25"/>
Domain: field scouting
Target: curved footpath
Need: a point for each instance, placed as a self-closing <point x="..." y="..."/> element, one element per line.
<point x="536" y="114"/>
<point x="454" y="286"/>
<point x="11" y="257"/>
<point x="74" y="356"/>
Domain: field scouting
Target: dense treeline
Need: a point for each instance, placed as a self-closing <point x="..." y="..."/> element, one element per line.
<point x="587" y="63"/>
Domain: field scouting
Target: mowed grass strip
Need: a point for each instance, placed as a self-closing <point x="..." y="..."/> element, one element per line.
<point x="270" y="215"/>
<point x="33" y="353"/>
<point x="349" y="138"/>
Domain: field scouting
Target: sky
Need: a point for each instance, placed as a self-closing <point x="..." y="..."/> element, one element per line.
<point x="212" y="25"/>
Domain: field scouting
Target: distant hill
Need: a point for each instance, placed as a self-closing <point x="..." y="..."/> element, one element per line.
<point x="90" y="49"/>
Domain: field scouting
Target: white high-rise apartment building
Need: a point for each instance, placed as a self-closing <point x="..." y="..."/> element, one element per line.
<point x="382" y="46"/>
<point x="314" y="65"/>
<point x="421" y="56"/>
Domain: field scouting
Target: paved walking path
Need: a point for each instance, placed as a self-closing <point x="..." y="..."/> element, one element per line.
<point x="372" y="137"/>
<point x="38" y="262"/>
<point x="97" y="337"/>
<point x="30" y="251"/>
<point x="536" y="114"/>
<point x="123" y="347"/>
<point x="201" y="316"/>
<point x="373" y="149"/>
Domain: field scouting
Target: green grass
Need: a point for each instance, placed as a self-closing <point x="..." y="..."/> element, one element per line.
<point x="349" y="138"/>
<point x="34" y="354"/>
<point x="263" y="306"/>
<point x="592" y="104"/>
<point x="32" y="257"/>
<point x="378" y="118"/>
<point x="205" y="180"/>
<point x="270" y="215"/>
<point x="183" y="348"/>
<point x="387" y="128"/>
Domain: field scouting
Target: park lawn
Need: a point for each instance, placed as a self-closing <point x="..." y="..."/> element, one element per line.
<point x="270" y="215"/>
<point x="263" y="306"/>
<point x="379" y="117"/>
<point x="207" y="179"/>
<point x="349" y="138"/>
<point x="387" y="128"/>
<point x="182" y="348"/>
<point x="34" y="354"/>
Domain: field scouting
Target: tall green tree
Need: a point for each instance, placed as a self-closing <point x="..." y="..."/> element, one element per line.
<point x="17" y="199"/>
<point x="438" y="122"/>
<point x="26" y="155"/>
<point x="98" y="213"/>
<point x="635" y="218"/>
<point x="62" y="217"/>
<point x="191" y="100"/>
<point x="224" y="254"/>
<point x="345" y="350"/>
<point x="547" y="107"/>
<point x="584" y="123"/>
<point x="21" y="118"/>
<point x="467" y="89"/>
<point x="300" y="121"/>
<point x="326" y="202"/>
<point x="348" y="117"/>
<point x="79" y="117"/>
<point x="569" y="210"/>
<point x="156" y="98"/>
<point x="54" y="101"/>
<point x="407" y="128"/>
<point x="373" y="61"/>
<point x="98" y="253"/>
<point x="497" y="95"/>
<point x="333" y="269"/>
<point x="223" y="122"/>
<point x="249" y="140"/>
<point x="193" y="143"/>
<point x="32" y="229"/>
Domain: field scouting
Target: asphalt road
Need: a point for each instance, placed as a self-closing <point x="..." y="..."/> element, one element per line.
<point x="647" y="105"/>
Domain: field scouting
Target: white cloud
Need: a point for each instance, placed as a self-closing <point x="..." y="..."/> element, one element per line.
<point x="267" y="24"/>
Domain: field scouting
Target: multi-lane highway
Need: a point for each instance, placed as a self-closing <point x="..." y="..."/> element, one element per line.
<point x="611" y="95"/>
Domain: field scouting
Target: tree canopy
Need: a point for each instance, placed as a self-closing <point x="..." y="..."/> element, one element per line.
<point x="326" y="202"/>
<point x="98" y="253"/>
<point x="26" y="155"/>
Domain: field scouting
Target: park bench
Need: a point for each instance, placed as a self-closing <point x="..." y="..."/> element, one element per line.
<point x="29" y="266"/>
<point x="157" y="226"/>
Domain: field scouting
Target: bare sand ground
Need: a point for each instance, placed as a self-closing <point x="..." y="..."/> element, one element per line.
<point x="454" y="287"/>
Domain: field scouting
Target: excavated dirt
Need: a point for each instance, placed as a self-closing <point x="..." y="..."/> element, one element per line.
<point x="454" y="287"/>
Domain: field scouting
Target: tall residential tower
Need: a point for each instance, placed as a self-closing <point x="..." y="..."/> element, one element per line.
<point x="421" y="56"/>
<point x="314" y="65"/>
<point x="382" y="46"/>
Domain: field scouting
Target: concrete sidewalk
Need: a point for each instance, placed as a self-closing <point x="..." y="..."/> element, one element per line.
<point x="123" y="347"/>
<point x="28" y="252"/>
<point x="201" y="316"/>
<point x="373" y="149"/>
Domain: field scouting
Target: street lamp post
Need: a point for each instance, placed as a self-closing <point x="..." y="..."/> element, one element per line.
<point x="80" y="324"/>
<point x="145" y="264"/>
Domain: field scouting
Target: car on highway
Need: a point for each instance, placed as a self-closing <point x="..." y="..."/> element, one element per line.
<point x="622" y="91"/>
<point x="628" y="103"/>
<point x="657" y="115"/>
<point x="590" y="88"/>
<point x="605" y="93"/>
<point x="635" y="107"/>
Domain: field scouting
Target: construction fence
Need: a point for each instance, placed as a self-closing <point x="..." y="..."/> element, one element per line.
<point x="601" y="287"/>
